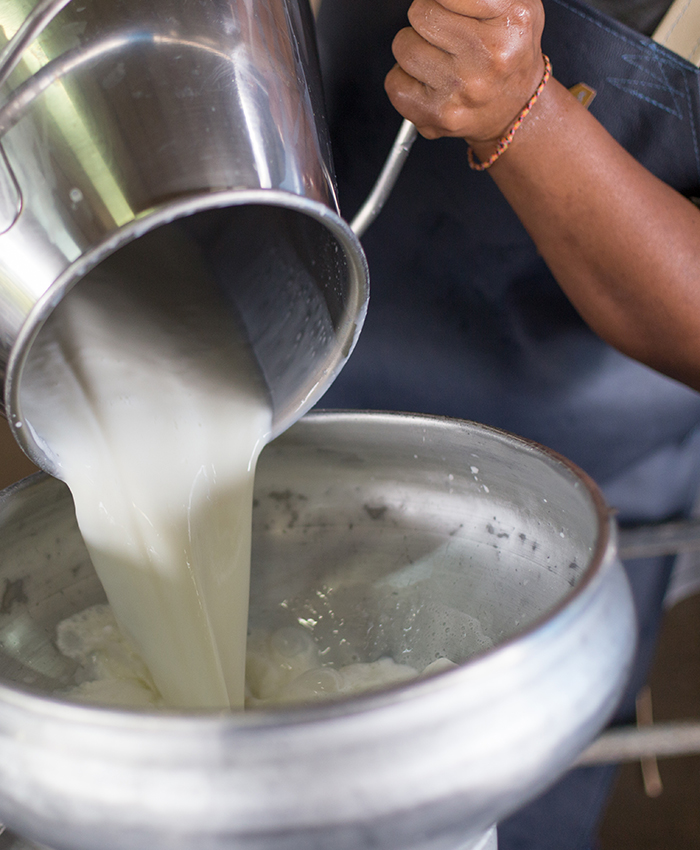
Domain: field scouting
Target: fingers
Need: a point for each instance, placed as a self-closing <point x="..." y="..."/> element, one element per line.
<point x="466" y="67"/>
<point x="412" y="100"/>
<point x="425" y="62"/>
<point x="437" y="25"/>
<point x="478" y="9"/>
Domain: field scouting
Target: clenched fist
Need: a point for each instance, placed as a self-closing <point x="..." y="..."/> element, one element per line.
<point x="467" y="67"/>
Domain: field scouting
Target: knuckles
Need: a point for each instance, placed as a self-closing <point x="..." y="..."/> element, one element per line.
<point x="419" y="14"/>
<point x="431" y="20"/>
<point x="406" y="48"/>
<point x="453" y="120"/>
<point x="460" y="74"/>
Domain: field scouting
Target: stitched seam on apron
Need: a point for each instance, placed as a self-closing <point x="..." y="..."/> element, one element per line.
<point x="631" y="59"/>
<point x="646" y="84"/>
<point x="663" y="55"/>
<point x="659" y="73"/>
<point x="613" y="81"/>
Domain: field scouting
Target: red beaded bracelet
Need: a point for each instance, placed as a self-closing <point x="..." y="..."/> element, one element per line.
<point x="504" y="142"/>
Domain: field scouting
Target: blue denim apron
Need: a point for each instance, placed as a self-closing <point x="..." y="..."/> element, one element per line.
<point x="466" y="320"/>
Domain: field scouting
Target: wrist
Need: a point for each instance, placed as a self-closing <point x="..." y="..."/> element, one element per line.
<point x="483" y="154"/>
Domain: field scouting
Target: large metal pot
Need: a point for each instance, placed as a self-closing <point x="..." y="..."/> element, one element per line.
<point x="398" y="531"/>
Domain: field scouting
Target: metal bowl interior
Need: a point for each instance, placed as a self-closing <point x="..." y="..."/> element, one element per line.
<point x="407" y="538"/>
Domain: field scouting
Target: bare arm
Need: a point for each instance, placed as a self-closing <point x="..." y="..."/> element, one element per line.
<point x="623" y="245"/>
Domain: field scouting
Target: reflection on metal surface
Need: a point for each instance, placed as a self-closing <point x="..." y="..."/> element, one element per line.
<point x="10" y="197"/>
<point x="36" y="21"/>
<point x="118" y="118"/>
<point x="73" y="124"/>
<point x="489" y="841"/>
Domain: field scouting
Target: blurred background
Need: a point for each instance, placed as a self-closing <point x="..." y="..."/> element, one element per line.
<point x="670" y="821"/>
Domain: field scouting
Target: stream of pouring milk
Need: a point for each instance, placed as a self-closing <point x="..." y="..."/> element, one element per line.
<point x="154" y="413"/>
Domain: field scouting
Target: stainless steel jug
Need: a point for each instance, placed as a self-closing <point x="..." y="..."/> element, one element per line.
<point x="120" y="117"/>
<point x="388" y="535"/>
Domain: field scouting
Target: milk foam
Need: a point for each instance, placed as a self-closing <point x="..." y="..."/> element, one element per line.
<point x="284" y="666"/>
<point x="153" y="411"/>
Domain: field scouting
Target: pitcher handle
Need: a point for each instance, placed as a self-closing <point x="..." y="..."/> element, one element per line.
<point x="386" y="180"/>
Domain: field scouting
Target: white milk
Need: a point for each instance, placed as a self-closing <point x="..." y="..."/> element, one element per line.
<point x="283" y="667"/>
<point x="154" y="414"/>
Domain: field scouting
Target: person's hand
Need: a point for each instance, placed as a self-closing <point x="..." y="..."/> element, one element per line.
<point x="467" y="67"/>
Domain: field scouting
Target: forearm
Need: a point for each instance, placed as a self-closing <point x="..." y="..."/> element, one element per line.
<point x="623" y="245"/>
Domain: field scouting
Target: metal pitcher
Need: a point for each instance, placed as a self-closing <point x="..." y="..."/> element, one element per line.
<point x="119" y="117"/>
